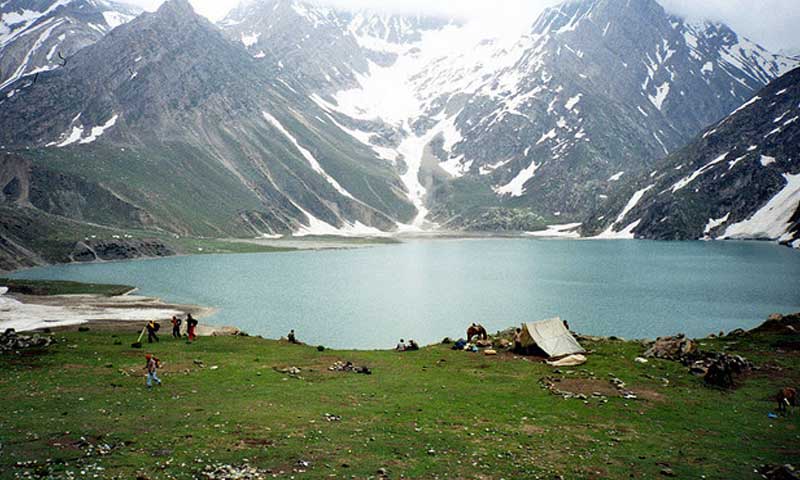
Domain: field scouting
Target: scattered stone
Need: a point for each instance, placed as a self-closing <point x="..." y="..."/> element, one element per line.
<point x="667" y="472"/>
<point x="293" y="372"/>
<point x="782" y="472"/>
<point x="11" y="342"/>
<point x="230" y="472"/>
<point x="717" y="369"/>
<point x="640" y="360"/>
<point x="341" y="366"/>
<point x="332" y="418"/>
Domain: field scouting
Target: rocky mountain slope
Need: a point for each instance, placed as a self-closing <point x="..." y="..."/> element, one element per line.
<point x="183" y="123"/>
<point x="740" y="179"/>
<point x="537" y="126"/>
<point x="292" y="118"/>
<point x="40" y="35"/>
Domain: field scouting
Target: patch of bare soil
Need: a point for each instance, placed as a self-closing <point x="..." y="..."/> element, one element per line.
<point x="587" y="386"/>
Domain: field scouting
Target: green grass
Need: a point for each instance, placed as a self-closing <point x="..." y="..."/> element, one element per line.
<point x="207" y="246"/>
<point x="53" y="287"/>
<point x="432" y="413"/>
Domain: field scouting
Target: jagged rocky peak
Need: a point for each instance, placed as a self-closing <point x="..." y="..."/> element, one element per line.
<point x="396" y="28"/>
<point x="176" y="7"/>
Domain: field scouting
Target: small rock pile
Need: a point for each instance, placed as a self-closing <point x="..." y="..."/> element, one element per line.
<point x="340" y="366"/>
<point x="783" y="472"/>
<point x="293" y="372"/>
<point x="11" y="342"/>
<point x="717" y="369"/>
<point x="232" y="472"/>
<point x="722" y="368"/>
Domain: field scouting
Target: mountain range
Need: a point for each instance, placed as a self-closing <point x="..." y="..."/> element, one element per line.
<point x="288" y="117"/>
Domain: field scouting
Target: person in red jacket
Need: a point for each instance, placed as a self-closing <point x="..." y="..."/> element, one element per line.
<point x="191" y="325"/>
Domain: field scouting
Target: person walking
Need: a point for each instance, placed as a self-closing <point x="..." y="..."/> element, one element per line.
<point x="152" y="328"/>
<point x="176" y="326"/>
<point x="191" y="325"/>
<point x="152" y="370"/>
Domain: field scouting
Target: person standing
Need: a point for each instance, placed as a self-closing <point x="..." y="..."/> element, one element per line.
<point x="176" y="326"/>
<point x="191" y="326"/>
<point x="152" y="370"/>
<point x="152" y="328"/>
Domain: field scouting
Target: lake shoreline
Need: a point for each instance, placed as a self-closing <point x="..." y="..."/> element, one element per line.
<point x="625" y="289"/>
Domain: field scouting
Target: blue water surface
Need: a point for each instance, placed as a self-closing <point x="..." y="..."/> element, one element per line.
<point x="428" y="289"/>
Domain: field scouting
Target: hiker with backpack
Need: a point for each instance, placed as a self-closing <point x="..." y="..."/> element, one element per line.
<point x="152" y="328"/>
<point x="152" y="370"/>
<point x="176" y="326"/>
<point x="191" y="325"/>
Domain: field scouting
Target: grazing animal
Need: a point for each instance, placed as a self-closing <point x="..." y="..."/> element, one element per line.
<point x="786" y="397"/>
<point x="476" y="329"/>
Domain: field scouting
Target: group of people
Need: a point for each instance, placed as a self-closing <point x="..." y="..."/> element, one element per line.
<point x="191" y="328"/>
<point x="152" y="363"/>
<point x="407" y="347"/>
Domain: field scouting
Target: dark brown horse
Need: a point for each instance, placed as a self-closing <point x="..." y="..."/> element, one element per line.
<point x="786" y="397"/>
<point x="477" y="329"/>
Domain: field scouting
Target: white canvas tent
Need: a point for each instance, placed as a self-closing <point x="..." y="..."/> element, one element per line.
<point x="551" y="336"/>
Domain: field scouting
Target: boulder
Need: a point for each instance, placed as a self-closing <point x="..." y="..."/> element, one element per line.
<point x="676" y="348"/>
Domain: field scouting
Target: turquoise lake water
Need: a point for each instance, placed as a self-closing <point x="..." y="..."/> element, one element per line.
<point x="428" y="289"/>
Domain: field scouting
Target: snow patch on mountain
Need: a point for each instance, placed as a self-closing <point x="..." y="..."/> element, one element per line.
<point x="97" y="131"/>
<point x="516" y="187"/>
<point x="689" y="179"/>
<point x="771" y="222"/>
<point x="307" y="155"/>
<point x="568" y="230"/>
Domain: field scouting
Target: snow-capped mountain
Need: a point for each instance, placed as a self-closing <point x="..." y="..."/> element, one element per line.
<point x="186" y="125"/>
<point x="545" y="121"/>
<point x="739" y="179"/>
<point x="40" y="35"/>
<point x="291" y="118"/>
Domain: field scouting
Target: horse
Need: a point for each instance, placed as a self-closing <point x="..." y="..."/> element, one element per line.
<point x="786" y="397"/>
<point x="476" y="329"/>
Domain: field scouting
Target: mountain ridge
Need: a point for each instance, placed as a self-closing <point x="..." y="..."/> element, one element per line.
<point x="291" y="119"/>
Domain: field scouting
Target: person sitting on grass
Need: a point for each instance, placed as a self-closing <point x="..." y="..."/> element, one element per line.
<point x="401" y="347"/>
<point x="412" y="346"/>
<point x="292" y="338"/>
<point x="152" y="370"/>
<point x="176" y="326"/>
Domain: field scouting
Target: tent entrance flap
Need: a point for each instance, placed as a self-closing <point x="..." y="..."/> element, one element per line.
<point x="551" y="336"/>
